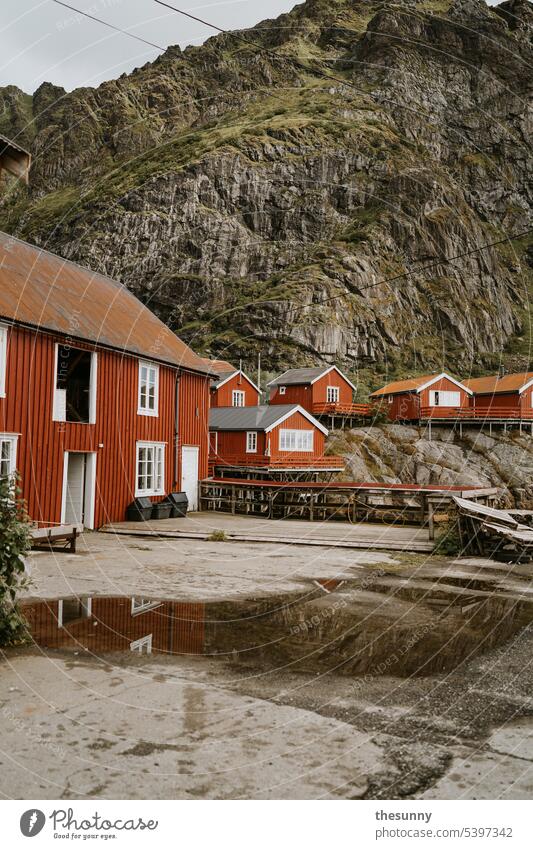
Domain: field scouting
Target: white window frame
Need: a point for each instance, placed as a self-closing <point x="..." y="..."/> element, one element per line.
<point x="157" y="447"/>
<point x="86" y="610"/>
<point x="240" y="395"/>
<point x="139" y="604"/>
<point x="444" y="398"/>
<point x="142" y="402"/>
<point x="251" y="442"/>
<point x="282" y="390"/>
<point x="333" y="391"/>
<point x="3" y="359"/>
<point x="12" y="440"/>
<point x="141" y="644"/>
<point x="293" y="440"/>
<point x="59" y="408"/>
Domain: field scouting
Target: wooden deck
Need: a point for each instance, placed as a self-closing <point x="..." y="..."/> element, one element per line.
<point x="249" y="529"/>
<point x="348" y="501"/>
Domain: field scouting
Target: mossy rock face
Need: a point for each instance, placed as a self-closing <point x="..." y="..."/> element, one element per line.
<point x="293" y="196"/>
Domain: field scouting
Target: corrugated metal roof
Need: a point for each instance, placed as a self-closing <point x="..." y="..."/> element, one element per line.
<point x="248" y="418"/>
<point x="495" y="385"/>
<point x="43" y="290"/>
<point x="295" y="376"/>
<point x="409" y="385"/>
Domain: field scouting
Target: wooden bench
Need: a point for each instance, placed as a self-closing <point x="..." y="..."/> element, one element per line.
<point x="59" y="538"/>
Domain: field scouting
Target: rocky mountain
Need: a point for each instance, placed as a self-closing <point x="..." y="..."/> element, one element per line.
<point x="295" y="189"/>
<point x="392" y="453"/>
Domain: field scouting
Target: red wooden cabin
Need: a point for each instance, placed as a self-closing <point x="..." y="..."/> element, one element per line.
<point x="231" y="387"/>
<point x="435" y="396"/>
<point x="99" y="401"/>
<point x="320" y="391"/>
<point x="268" y="438"/>
<point x="508" y="396"/>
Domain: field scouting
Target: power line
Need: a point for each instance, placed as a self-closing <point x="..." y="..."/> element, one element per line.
<point x="106" y="24"/>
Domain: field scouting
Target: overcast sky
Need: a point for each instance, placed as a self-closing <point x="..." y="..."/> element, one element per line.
<point x="41" y="40"/>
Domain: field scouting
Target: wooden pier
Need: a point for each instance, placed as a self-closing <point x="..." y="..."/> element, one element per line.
<point x="348" y="501"/>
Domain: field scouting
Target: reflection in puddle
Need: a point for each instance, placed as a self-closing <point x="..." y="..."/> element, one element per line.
<point x="120" y="623"/>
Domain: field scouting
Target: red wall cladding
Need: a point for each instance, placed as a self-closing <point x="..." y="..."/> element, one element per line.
<point x="28" y="407"/>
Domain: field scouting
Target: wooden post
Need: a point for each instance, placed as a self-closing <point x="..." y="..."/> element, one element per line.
<point x="233" y="497"/>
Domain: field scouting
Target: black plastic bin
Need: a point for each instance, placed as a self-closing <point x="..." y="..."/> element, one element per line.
<point x="139" y="510"/>
<point x="161" y="510"/>
<point x="179" y="504"/>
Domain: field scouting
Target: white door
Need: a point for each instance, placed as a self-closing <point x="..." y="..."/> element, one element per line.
<point x="75" y="489"/>
<point x="79" y="489"/>
<point x="189" y="474"/>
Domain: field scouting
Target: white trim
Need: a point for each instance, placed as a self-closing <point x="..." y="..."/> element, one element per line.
<point x="292" y="411"/>
<point x="434" y="380"/>
<point x="92" y="387"/>
<point x="239" y="392"/>
<point x="250" y="433"/>
<point x="86" y="602"/>
<point x="89" y="497"/>
<point x="13" y="439"/>
<point x="144" y="605"/>
<point x="143" y="642"/>
<point x="143" y="443"/>
<point x="335" y="390"/>
<point x="524" y="387"/>
<point x="238" y="371"/>
<point x="278" y="380"/>
<point x="145" y="411"/>
<point x="3" y="360"/>
<point x="282" y="389"/>
<point x="297" y="449"/>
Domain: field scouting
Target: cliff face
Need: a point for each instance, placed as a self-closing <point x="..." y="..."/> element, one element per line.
<point x="255" y="194"/>
<point x="401" y="454"/>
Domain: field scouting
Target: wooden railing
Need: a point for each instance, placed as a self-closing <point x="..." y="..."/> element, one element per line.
<point x="306" y="460"/>
<point x="478" y="413"/>
<point x="338" y="409"/>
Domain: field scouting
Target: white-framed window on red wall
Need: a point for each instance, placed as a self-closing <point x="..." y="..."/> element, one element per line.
<point x="332" y="394"/>
<point x="237" y="398"/>
<point x="251" y="442"/>
<point x="296" y="440"/>
<point x="8" y="455"/>
<point x="150" y="466"/>
<point x="3" y="360"/>
<point x="148" y="402"/>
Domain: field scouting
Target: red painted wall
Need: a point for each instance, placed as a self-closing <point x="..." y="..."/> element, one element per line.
<point x="28" y="407"/>
<point x="316" y="393"/>
<point x="507" y="401"/>
<point x="223" y="397"/>
<point x="407" y="405"/>
<point x="231" y="445"/>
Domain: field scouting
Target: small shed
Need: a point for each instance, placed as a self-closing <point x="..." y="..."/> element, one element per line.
<point x="503" y="396"/>
<point x="315" y="389"/>
<point x="231" y="387"/>
<point x="425" y="397"/>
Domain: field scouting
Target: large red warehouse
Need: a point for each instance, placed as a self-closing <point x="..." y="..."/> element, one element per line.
<point x="99" y="401"/>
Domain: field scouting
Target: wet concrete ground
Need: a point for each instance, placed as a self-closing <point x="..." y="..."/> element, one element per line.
<point x="326" y="674"/>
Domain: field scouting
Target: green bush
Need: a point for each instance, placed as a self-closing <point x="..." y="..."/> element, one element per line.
<point x="14" y="545"/>
<point x="448" y="541"/>
<point x="217" y="535"/>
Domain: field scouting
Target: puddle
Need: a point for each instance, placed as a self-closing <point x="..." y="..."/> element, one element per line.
<point x="387" y="627"/>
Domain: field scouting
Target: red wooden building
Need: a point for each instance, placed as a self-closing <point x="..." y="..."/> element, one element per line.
<point x="231" y="387"/>
<point x="321" y="391"/>
<point x="428" y="397"/>
<point x="508" y="396"/>
<point x="99" y="401"/>
<point x="268" y="439"/>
